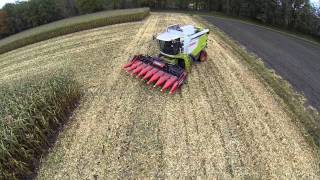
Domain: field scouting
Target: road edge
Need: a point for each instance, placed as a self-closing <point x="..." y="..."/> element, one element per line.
<point x="294" y="103"/>
<point x="297" y="35"/>
<point x="275" y="29"/>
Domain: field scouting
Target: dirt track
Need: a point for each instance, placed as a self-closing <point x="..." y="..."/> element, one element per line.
<point x="296" y="60"/>
<point x="224" y="122"/>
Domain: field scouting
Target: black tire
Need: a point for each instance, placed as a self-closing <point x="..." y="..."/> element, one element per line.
<point x="203" y="56"/>
<point x="181" y="63"/>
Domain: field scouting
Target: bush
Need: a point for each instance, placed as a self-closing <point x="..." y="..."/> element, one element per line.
<point x="30" y="115"/>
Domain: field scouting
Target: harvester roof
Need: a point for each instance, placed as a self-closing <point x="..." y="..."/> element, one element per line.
<point x="177" y="31"/>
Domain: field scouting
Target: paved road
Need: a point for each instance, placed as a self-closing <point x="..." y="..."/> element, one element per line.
<point x="296" y="60"/>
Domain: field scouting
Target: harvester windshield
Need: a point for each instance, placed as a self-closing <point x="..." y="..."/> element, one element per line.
<point x="170" y="47"/>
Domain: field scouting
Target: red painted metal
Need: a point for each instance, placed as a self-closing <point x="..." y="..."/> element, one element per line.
<point x="162" y="80"/>
<point x="155" y="77"/>
<point x="150" y="73"/>
<point x="159" y="64"/>
<point x="128" y="64"/>
<point x="169" y="83"/>
<point x="144" y="71"/>
<point x="174" y="87"/>
<point x="153" y="70"/>
<point x="138" y="69"/>
<point x="133" y="66"/>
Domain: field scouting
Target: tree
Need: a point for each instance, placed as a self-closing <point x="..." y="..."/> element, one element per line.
<point x="43" y="11"/>
<point x="228" y="6"/>
<point x="182" y="4"/>
<point x="18" y="16"/>
<point x="4" y="30"/>
<point x="24" y="15"/>
<point x="90" y="6"/>
<point x="66" y="7"/>
<point x="293" y="14"/>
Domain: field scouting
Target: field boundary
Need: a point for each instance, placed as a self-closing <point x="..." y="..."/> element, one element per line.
<point x="294" y="34"/>
<point x="71" y="25"/>
<point x="294" y="102"/>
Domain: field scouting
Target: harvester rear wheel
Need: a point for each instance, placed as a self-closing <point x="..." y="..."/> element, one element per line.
<point x="203" y="56"/>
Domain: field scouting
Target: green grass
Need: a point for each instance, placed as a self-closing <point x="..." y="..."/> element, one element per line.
<point x="71" y="25"/>
<point x="295" y="103"/>
<point x="31" y="113"/>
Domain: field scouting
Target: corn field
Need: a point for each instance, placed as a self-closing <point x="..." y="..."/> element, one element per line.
<point x="30" y="114"/>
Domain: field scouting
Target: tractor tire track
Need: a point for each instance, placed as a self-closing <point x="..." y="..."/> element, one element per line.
<point x="225" y="129"/>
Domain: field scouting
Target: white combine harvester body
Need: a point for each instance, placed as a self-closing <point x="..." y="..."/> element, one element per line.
<point x="188" y="35"/>
<point x="179" y="46"/>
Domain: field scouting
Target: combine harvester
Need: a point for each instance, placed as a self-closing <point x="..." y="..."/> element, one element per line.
<point x="180" y="46"/>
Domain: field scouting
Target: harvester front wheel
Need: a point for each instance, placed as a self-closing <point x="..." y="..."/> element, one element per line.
<point x="181" y="63"/>
<point x="203" y="56"/>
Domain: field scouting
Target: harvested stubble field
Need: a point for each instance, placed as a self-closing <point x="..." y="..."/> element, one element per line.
<point x="71" y="25"/>
<point x="225" y="122"/>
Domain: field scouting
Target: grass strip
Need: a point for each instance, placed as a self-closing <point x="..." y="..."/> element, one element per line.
<point x="302" y="114"/>
<point x="31" y="114"/>
<point x="71" y="25"/>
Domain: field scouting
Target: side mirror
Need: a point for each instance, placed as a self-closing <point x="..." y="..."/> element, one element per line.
<point x="154" y="37"/>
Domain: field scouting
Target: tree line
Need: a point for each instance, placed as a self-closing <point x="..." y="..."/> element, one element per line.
<point x="297" y="15"/>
